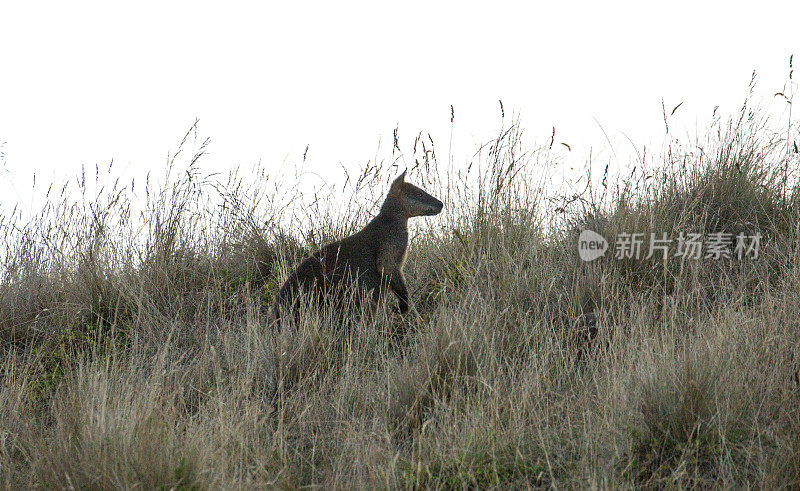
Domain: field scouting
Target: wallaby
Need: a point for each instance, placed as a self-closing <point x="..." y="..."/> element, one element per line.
<point x="370" y="259"/>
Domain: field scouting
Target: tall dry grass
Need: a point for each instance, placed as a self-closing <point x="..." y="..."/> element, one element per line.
<point x="137" y="351"/>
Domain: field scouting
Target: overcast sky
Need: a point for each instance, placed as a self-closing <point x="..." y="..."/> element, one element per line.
<point x="87" y="82"/>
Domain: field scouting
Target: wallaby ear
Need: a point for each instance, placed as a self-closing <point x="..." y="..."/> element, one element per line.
<point x="397" y="183"/>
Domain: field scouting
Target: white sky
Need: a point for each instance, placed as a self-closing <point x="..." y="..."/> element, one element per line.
<point x="87" y="82"/>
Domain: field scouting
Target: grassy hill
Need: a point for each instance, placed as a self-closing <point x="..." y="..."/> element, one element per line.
<point x="136" y="349"/>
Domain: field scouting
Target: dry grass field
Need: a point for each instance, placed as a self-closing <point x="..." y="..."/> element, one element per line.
<point x="137" y="352"/>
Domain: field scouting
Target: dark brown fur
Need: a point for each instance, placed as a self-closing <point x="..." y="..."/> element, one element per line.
<point x="370" y="260"/>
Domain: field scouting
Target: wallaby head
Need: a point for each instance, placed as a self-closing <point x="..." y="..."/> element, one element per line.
<point x="413" y="201"/>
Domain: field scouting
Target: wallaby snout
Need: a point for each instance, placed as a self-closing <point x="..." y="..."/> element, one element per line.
<point x="434" y="209"/>
<point x="419" y="203"/>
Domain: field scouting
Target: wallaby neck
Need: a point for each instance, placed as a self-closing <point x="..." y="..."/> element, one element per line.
<point x="394" y="211"/>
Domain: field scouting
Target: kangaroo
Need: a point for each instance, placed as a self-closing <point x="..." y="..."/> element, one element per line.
<point x="370" y="259"/>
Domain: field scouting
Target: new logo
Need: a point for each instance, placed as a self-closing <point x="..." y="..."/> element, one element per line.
<point x="591" y="245"/>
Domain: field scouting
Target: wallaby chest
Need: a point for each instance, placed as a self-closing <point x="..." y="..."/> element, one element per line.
<point x="392" y="249"/>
